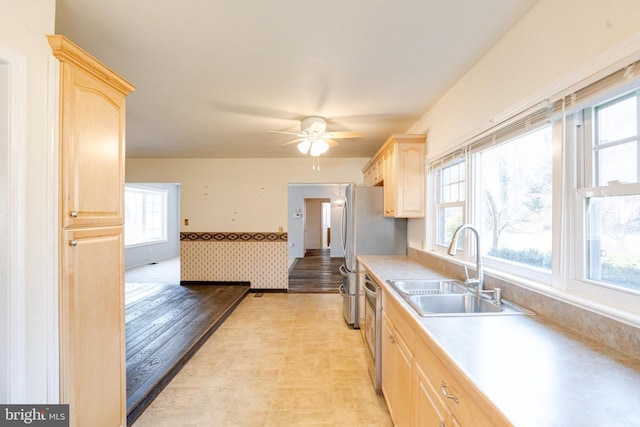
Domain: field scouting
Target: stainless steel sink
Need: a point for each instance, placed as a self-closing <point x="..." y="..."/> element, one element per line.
<point x="461" y="303"/>
<point x="430" y="298"/>
<point x="428" y="287"/>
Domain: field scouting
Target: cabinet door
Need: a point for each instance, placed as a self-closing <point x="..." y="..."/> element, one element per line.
<point x="388" y="360"/>
<point x="389" y="183"/>
<point x="430" y="411"/>
<point x="397" y="374"/>
<point x="409" y="181"/>
<point x="402" y="389"/>
<point x="92" y="330"/>
<point x="92" y="150"/>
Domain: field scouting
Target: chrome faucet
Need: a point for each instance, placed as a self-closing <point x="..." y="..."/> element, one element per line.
<point x="476" y="282"/>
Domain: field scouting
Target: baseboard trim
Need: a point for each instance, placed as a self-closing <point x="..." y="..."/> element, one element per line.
<point x="212" y="283"/>
<point x="271" y="291"/>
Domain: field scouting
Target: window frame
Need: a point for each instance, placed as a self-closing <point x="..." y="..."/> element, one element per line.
<point x="567" y="280"/>
<point x="584" y="139"/>
<point x="437" y="191"/>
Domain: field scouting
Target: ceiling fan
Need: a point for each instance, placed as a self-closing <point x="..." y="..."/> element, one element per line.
<point x="313" y="139"/>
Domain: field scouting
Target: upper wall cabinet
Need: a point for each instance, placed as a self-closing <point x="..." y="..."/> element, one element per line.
<point x="92" y="132"/>
<point x="399" y="167"/>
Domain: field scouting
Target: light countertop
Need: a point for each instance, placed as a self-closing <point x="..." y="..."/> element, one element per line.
<point x="535" y="372"/>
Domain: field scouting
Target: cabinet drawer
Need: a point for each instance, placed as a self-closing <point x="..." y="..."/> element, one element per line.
<point x="466" y="404"/>
<point x="397" y="316"/>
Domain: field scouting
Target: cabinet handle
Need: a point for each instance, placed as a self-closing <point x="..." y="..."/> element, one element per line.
<point x="73" y="243"/>
<point x="74" y="214"/>
<point x="391" y="338"/>
<point x="443" y="387"/>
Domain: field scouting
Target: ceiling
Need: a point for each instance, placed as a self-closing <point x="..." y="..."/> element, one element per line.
<point x="213" y="77"/>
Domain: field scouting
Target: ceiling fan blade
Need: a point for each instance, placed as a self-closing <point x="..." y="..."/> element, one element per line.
<point x="331" y="142"/>
<point x="344" y="134"/>
<point x="287" y="133"/>
<point x="294" y="141"/>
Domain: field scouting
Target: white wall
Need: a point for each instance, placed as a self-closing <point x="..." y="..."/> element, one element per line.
<point x="32" y="366"/>
<point x="537" y="56"/>
<point x="235" y="195"/>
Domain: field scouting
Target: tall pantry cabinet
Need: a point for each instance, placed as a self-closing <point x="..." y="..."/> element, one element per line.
<point x="91" y="134"/>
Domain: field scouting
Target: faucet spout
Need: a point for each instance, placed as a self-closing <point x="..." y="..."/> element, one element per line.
<point x="477" y="281"/>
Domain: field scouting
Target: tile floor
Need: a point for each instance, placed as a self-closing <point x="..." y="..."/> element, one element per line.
<point x="278" y="360"/>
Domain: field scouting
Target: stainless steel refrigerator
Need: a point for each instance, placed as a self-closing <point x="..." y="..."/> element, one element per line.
<point x="366" y="231"/>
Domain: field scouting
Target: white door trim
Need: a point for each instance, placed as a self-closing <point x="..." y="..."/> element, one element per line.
<point x="15" y="224"/>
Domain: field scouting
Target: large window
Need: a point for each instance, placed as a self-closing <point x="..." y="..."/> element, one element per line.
<point x="515" y="180"/>
<point x="611" y="192"/>
<point x="555" y="194"/>
<point x="145" y="216"/>
<point x="510" y="201"/>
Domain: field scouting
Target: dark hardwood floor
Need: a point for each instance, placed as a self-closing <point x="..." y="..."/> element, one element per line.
<point x="316" y="272"/>
<point x="165" y="326"/>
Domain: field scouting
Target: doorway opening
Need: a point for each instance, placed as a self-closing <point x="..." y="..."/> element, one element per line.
<point x="317" y="219"/>
<point x="152" y="232"/>
<point x="315" y="248"/>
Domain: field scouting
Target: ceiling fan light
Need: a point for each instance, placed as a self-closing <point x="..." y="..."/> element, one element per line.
<point x="304" y="146"/>
<point x="319" y="147"/>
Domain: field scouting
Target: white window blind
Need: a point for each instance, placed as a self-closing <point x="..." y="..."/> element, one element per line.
<point x="518" y="124"/>
<point x="579" y="97"/>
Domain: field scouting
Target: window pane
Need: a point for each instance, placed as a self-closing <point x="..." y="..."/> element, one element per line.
<point x="616" y="146"/>
<point x="448" y="220"/>
<point x="516" y="180"/>
<point x="451" y="180"/>
<point x="145" y="216"/>
<point x="613" y="240"/>
<point x="450" y="196"/>
<point x="619" y="162"/>
<point x="617" y="120"/>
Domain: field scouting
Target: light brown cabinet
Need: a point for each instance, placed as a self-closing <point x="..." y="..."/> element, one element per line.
<point x="462" y="401"/>
<point x="421" y="387"/>
<point x="91" y="326"/>
<point x="91" y="132"/>
<point x="399" y="167"/>
<point x="430" y="411"/>
<point x="92" y="150"/>
<point x="397" y="373"/>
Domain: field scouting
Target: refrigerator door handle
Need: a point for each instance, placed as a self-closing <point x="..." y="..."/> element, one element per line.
<point x="344" y="228"/>
<point x="343" y="271"/>
<point x="342" y="291"/>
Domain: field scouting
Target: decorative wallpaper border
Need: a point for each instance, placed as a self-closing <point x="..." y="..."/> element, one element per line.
<point x="233" y="237"/>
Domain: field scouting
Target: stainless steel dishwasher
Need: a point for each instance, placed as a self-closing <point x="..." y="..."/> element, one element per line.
<point x="373" y="328"/>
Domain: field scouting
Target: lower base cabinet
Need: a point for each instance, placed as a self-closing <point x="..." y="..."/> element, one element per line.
<point x="431" y="411"/>
<point x="420" y="388"/>
<point x="397" y="374"/>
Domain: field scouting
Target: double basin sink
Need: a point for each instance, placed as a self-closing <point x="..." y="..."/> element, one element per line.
<point x="450" y="298"/>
